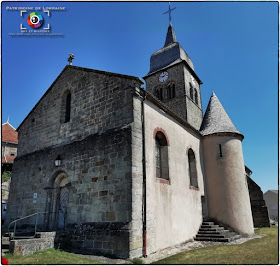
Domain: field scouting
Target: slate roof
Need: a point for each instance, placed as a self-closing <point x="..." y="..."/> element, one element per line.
<point x="216" y="119"/>
<point x="170" y="36"/>
<point x="171" y="52"/>
<point x="9" y="134"/>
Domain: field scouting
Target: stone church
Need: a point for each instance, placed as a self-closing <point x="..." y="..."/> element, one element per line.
<point x="127" y="171"/>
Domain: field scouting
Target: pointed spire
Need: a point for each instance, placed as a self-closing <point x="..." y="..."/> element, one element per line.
<point x="170" y="36"/>
<point x="216" y="119"/>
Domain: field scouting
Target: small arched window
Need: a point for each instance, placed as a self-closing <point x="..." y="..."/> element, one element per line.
<point x="161" y="152"/>
<point x="191" y="91"/>
<point x="195" y="96"/>
<point x="159" y="93"/>
<point x="192" y="169"/>
<point x="66" y="107"/>
<point x="171" y="91"/>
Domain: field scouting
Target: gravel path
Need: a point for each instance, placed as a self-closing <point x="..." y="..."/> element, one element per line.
<point x="171" y="251"/>
<point x="193" y="245"/>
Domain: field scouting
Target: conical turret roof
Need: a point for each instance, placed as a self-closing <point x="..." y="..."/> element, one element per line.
<point x="216" y="119"/>
<point x="170" y="36"/>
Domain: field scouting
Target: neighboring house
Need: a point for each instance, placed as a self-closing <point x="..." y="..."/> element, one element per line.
<point x="9" y="146"/>
<point x="128" y="171"/>
<point x="271" y="198"/>
<point x="259" y="209"/>
<point x="9" y="153"/>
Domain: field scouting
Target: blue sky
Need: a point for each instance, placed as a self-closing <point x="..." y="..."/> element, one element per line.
<point x="234" y="47"/>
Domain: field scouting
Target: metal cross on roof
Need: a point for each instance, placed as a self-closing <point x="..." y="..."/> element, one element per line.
<point x="70" y="59"/>
<point x="169" y="11"/>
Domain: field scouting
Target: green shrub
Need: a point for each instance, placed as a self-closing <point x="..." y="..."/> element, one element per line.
<point x="6" y="176"/>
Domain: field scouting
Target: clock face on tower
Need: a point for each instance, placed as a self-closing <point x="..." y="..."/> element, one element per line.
<point x="163" y="76"/>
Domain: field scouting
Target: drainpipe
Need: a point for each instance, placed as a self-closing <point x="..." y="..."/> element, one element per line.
<point x="144" y="213"/>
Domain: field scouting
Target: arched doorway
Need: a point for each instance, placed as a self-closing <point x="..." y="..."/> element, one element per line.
<point x="62" y="208"/>
<point x="59" y="201"/>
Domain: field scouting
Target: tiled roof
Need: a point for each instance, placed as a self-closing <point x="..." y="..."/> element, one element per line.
<point x="9" y="134"/>
<point x="8" y="159"/>
<point x="216" y="119"/>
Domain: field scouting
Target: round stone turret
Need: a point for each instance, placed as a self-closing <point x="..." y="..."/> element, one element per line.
<point x="226" y="185"/>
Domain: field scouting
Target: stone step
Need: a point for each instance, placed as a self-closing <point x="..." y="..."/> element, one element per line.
<point x="207" y="223"/>
<point x="209" y="232"/>
<point x="5" y="245"/>
<point x="210" y="235"/>
<point x="210" y="226"/>
<point x="198" y="238"/>
<point x="5" y="238"/>
<point x="4" y="251"/>
<point x="212" y="229"/>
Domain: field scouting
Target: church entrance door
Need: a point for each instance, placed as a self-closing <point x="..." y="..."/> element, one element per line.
<point x="63" y="205"/>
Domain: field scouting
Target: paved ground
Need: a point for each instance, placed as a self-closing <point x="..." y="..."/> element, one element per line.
<point x="102" y="259"/>
<point x="171" y="251"/>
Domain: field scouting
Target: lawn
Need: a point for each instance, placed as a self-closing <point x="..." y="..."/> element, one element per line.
<point x="256" y="251"/>
<point x="49" y="256"/>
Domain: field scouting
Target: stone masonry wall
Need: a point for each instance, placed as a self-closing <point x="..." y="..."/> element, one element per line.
<point x="176" y="76"/>
<point x="259" y="210"/>
<point x="95" y="150"/>
<point x="182" y="103"/>
<point x="136" y="235"/>
<point x="99" y="101"/>
<point x="99" y="173"/>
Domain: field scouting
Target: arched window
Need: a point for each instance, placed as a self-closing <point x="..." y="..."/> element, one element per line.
<point x="195" y="96"/>
<point x="171" y="91"/>
<point x="66" y="107"/>
<point x="192" y="169"/>
<point x="162" y="169"/>
<point x="191" y="91"/>
<point x="159" y="94"/>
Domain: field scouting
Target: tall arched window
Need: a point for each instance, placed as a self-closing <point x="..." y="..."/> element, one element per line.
<point x="195" y="96"/>
<point x="191" y="91"/>
<point x="171" y="91"/>
<point x="66" y="107"/>
<point x="192" y="169"/>
<point x="159" y="93"/>
<point x="162" y="169"/>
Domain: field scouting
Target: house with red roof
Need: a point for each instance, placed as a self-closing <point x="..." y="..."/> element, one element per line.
<point x="9" y="153"/>
<point x="9" y="146"/>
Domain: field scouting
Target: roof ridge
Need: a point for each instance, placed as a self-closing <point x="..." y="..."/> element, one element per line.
<point x="9" y="125"/>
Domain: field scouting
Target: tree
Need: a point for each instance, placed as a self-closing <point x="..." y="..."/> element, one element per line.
<point x="6" y="175"/>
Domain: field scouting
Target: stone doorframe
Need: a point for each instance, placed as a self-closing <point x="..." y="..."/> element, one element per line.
<point x="58" y="181"/>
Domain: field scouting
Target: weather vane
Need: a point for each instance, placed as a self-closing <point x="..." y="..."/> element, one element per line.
<point x="70" y="59"/>
<point x="169" y="11"/>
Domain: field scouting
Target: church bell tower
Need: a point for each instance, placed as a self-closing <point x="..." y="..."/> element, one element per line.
<point x="173" y="81"/>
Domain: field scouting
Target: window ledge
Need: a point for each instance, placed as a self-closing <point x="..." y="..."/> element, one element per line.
<point x="194" y="188"/>
<point x="163" y="181"/>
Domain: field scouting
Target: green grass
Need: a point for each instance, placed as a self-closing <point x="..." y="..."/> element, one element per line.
<point x="137" y="261"/>
<point x="49" y="256"/>
<point x="256" y="251"/>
